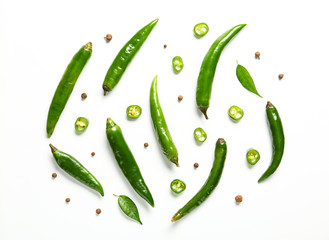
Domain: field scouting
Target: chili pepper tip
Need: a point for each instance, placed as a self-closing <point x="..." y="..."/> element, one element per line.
<point x="221" y="140"/>
<point x="175" y="160"/>
<point x="53" y="149"/>
<point x="204" y="111"/>
<point x="269" y="104"/>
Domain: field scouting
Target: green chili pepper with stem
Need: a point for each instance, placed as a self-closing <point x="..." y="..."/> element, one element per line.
<point x="253" y="156"/>
<point x="125" y="55"/>
<point x="126" y="160"/>
<point x="200" y="135"/>
<point x="177" y="186"/>
<point x="210" y="184"/>
<point x="66" y="85"/>
<point x="177" y="63"/>
<point x="134" y="111"/>
<point x="208" y="68"/>
<point x="160" y="126"/>
<point x="81" y="124"/>
<point x="201" y="29"/>
<point x="74" y="168"/>
<point x="235" y="113"/>
<point x="276" y="128"/>
<point x="245" y="79"/>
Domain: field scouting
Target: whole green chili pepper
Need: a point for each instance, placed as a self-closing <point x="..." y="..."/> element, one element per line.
<point x="208" y="68"/>
<point x="74" y="168"/>
<point x="276" y="128"/>
<point x="210" y="184"/>
<point x="160" y="126"/>
<point x="126" y="160"/>
<point x="66" y="85"/>
<point x="125" y="55"/>
<point x="245" y="79"/>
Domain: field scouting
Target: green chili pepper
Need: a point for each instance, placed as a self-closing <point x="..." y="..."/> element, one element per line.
<point x="276" y="128"/>
<point x="177" y="186"/>
<point x="160" y="126"/>
<point x="66" y="85"/>
<point x="128" y="207"/>
<point x="134" y="111"/>
<point x="126" y="161"/>
<point x="177" y="63"/>
<point x="210" y="184"/>
<point x="125" y="55"/>
<point x="253" y="156"/>
<point x="245" y="79"/>
<point x="74" y="168"/>
<point x="201" y="29"/>
<point x="235" y="113"/>
<point x="200" y="135"/>
<point x="81" y="124"/>
<point x="208" y="68"/>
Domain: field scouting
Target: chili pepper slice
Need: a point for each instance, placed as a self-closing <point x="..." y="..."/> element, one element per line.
<point x="177" y="186"/>
<point x="276" y="128"/>
<point x="253" y="156"/>
<point x="200" y="135"/>
<point x="134" y="111"/>
<point x="81" y="124"/>
<point x="201" y="29"/>
<point x="235" y="113"/>
<point x="177" y="63"/>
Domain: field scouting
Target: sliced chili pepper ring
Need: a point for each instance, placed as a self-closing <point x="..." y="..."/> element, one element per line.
<point x="253" y="156"/>
<point x="81" y="124"/>
<point x="177" y="63"/>
<point x="177" y="186"/>
<point x="235" y="112"/>
<point x="201" y="29"/>
<point x="134" y="111"/>
<point x="200" y="135"/>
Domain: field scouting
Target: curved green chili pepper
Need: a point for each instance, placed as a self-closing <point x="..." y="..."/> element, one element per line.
<point x="125" y="55"/>
<point x="208" y="68"/>
<point x="245" y="79"/>
<point x="126" y="161"/>
<point x="74" y="168"/>
<point x="66" y="85"/>
<point x="81" y="124"/>
<point x="160" y="126"/>
<point x="210" y="184"/>
<point x="277" y="138"/>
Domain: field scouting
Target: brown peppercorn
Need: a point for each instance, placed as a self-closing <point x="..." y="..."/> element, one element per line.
<point x="257" y="55"/>
<point x="93" y="154"/>
<point x="98" y="211"/>
<point x="108" y="37"/>
<point x="146" y="145"/>
<point x="180" y="98"/>
<point x="281" y="76"/>
<point x="196" y="165"/>
<point x="84" y="95"/>
<point x="164" y="46"/>
<point x="54" y="175"/>
<point x="238" y="198"/>
<point x="67" y="200"/>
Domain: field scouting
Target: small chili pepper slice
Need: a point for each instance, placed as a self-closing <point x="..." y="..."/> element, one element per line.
<point x="134" y="111"/>
<point x="177" y="63"/>
<point x="201" y="29"/>
<point x="200" y="135"/>
<point x="235" y="112"/>
<point x="253" y="156"/>
<point x="81" y="124"/>
<point x="177" y="186"/>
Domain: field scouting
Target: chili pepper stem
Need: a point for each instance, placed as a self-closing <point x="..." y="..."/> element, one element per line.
<point x="204" y="111"/>
<point x="53" y="149"/>
<point x="269" y="104"/>
<point x="175" y="161"/>
<point x="89" y="46"/>
<point x="110" y="123"/>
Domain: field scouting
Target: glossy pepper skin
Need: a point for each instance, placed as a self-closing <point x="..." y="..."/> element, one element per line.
<point x="126" y="161"/>
<point x="208" y="68"/>
<point x="210" y="184"/>
<point x="74" y="168"/>
<point x="160" y="126"/>
<point x="125" y="55"/>
<point x="276" y="128"/>
<point x="66" y="85"/>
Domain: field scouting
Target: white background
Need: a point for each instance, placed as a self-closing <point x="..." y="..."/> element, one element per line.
<point x="38" y="39"/>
